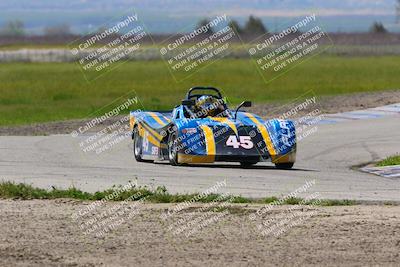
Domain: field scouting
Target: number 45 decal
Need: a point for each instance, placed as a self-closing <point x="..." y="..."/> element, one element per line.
<point x="244" y="142"/>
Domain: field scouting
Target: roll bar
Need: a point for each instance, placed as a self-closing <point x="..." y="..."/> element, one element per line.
<point x="189" y="94"/>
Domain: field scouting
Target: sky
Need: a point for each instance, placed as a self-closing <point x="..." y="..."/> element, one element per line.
<point x="169" y="16"/>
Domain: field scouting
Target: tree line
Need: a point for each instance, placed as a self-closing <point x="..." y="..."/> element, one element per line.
<point x="17" y="28"/>
<point x="253" y="26"/>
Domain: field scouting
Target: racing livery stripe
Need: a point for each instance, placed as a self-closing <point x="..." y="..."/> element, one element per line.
<point x="131" y="122"/>
<point x="163" y="118"/>
<point x="157" y="118"/>
<point x="227" y="121"/>
<point x="209" y="138"/>
<point x="150" y="137"/>
<point x="263" y="130"/>
<point x="154" y="133"/>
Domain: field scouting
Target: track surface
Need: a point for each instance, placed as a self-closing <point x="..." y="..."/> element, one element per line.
<point x="326" y="156"/>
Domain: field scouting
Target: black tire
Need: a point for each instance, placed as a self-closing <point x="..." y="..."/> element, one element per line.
<point x="284" y="166"/>
<point x="248" y="164"/>
<point x="172" y="149"/>
<point x="137" y="145"/>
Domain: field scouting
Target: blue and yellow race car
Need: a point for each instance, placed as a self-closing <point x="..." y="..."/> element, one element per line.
<point x="202" y="129"/>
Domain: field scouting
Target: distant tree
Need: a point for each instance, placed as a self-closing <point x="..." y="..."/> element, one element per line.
<point x="377" y="27"/>
<point x="204" y="22"/>
<point x="58" y="30"/>
<point x="235" y="25"/>
<point x="255" y="26"/>
<point x="101" y="29"/>
<point x="15" y="28"/>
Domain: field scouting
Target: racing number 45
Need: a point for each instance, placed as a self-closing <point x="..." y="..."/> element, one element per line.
<point x="244" y="142"/>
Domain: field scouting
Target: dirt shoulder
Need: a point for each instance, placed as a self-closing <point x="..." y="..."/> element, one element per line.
<point x="43" y="232"/>
<point x="327" y="104"/>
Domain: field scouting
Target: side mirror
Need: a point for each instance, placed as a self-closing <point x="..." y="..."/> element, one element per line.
<point x="245" y="104"/>
<point x="188" y="102"/>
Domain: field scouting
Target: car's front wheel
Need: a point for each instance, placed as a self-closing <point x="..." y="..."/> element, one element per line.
<point x="173" y="148"/>
<point x="137" y="145"/>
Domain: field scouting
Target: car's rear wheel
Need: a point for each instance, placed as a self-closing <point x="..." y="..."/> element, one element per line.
<point x="172" y="148"/>
<point x="284" y="166"/>
<point x="137" y="145"/>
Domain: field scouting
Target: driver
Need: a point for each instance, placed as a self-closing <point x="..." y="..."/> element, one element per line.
<point x="209" y="106"/>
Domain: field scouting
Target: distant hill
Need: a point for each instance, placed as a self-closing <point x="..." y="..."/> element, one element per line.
<point x="168" y="16"/>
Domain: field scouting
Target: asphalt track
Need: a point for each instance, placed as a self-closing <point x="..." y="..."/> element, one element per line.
<point x="328" y="156"/>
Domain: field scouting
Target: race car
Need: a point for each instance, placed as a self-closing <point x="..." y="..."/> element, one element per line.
<point x="202" y="129"/>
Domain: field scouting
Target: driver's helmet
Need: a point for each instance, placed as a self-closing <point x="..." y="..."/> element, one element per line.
<point x="209" y="106"/>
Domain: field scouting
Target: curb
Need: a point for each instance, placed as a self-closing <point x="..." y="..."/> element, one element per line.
<point x="387" y="171"/>
<point x="370" y="113"/>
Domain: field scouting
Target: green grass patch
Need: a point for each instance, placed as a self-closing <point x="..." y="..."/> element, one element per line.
<point x="158" y="195"/>
<point x="43" y="92"/>
<point x="390" y="161"/>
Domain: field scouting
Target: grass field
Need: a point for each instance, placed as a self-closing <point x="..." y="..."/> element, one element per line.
<point x="40" y="92"/>
<point x="390" y="161"/>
